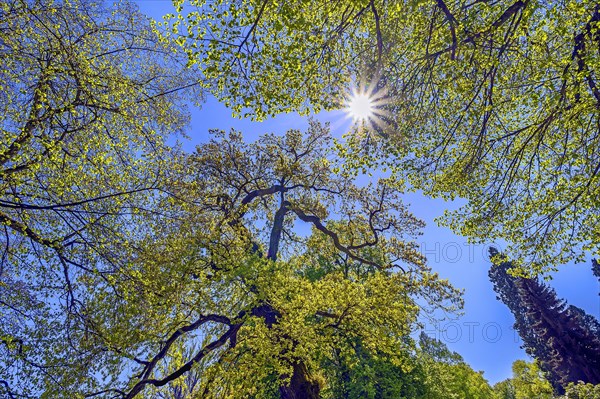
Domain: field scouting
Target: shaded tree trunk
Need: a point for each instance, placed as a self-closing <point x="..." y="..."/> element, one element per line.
<point x="301" y="385"/>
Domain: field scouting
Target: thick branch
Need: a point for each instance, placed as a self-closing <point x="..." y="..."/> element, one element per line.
<point x="185" y="329"/>
<point x="7" y="390"/>
<point x="579" y="54"/>
<point x="378" y="32"/>
<point x="267" y="191"/>
<point x="15" y="205"/>
<point x="510" y="11"/>
<point x="31" y="124"/>
<point x="452" y="22"/>
<point x="276" y="231"/>
<point x="26" y="231"/>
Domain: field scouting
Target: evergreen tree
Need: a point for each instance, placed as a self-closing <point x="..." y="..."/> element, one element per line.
<point x="562" y="338"/>
<point x="508" y="292"/>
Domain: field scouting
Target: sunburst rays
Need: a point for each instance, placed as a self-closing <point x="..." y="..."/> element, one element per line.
<point x="365" y="104"/>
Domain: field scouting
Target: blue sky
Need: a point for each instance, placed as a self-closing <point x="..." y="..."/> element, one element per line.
<point x="483" y="335"/>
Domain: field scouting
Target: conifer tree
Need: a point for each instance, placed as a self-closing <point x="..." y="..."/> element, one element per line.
<point x="562" y="338"/>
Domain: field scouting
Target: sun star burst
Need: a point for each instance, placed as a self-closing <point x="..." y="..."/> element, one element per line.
<point x="360" y="107"/>
<point x="366" y="105"/>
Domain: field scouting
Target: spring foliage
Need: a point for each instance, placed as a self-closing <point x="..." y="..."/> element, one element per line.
<point x="206" y="274"/>
<point x="495" y="102"/>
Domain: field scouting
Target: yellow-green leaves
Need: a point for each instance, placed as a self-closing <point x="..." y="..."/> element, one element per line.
<point x="581" y="391"/>
<point x="528" y="381"/>
<point x="88" y="97"/>
<point x="496" y="102"/>
<point x="303" y="299"/>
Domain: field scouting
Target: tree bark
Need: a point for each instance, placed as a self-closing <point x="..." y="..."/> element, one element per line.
<point x="301" y="385"/>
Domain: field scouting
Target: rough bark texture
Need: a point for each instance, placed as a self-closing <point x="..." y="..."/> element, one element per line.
<point x="301" y="385"/>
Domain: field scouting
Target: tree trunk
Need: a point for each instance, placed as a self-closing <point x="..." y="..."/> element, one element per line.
<point x="301" y="386"/>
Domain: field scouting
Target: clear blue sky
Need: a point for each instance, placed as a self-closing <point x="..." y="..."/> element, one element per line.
<point x="483" y="335"/>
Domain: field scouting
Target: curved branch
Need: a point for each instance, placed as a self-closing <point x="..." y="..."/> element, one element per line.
<point x="7" y="389"/>
<point x="452" y="22"/>
<point x="14" y="205"/>
<point x="26" y="231"/>
<point x="277" y="188"/>
<point x="229" y="334"/>
<point x="336" y="240"/>
<point x="185" y="329"/>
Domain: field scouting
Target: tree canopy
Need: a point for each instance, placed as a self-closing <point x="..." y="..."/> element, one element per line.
<point x="88" y="97"/>
<point x="527" y="382"/>
<point x="86" y="109"/>
<point x="495" y="102"/>
<point x="217" y="278"/>
<point x="271" y="269"/>
<point x="287" y="302"/>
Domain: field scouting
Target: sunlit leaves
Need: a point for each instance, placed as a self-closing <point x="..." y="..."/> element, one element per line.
<point x="88" y="98"/>
<point x="359" y="278"/>
<point x="493" y="102"/>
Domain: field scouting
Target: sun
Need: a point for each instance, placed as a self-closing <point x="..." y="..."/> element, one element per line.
<point x="360" y="107"/>
<point x="366" y="105"/>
